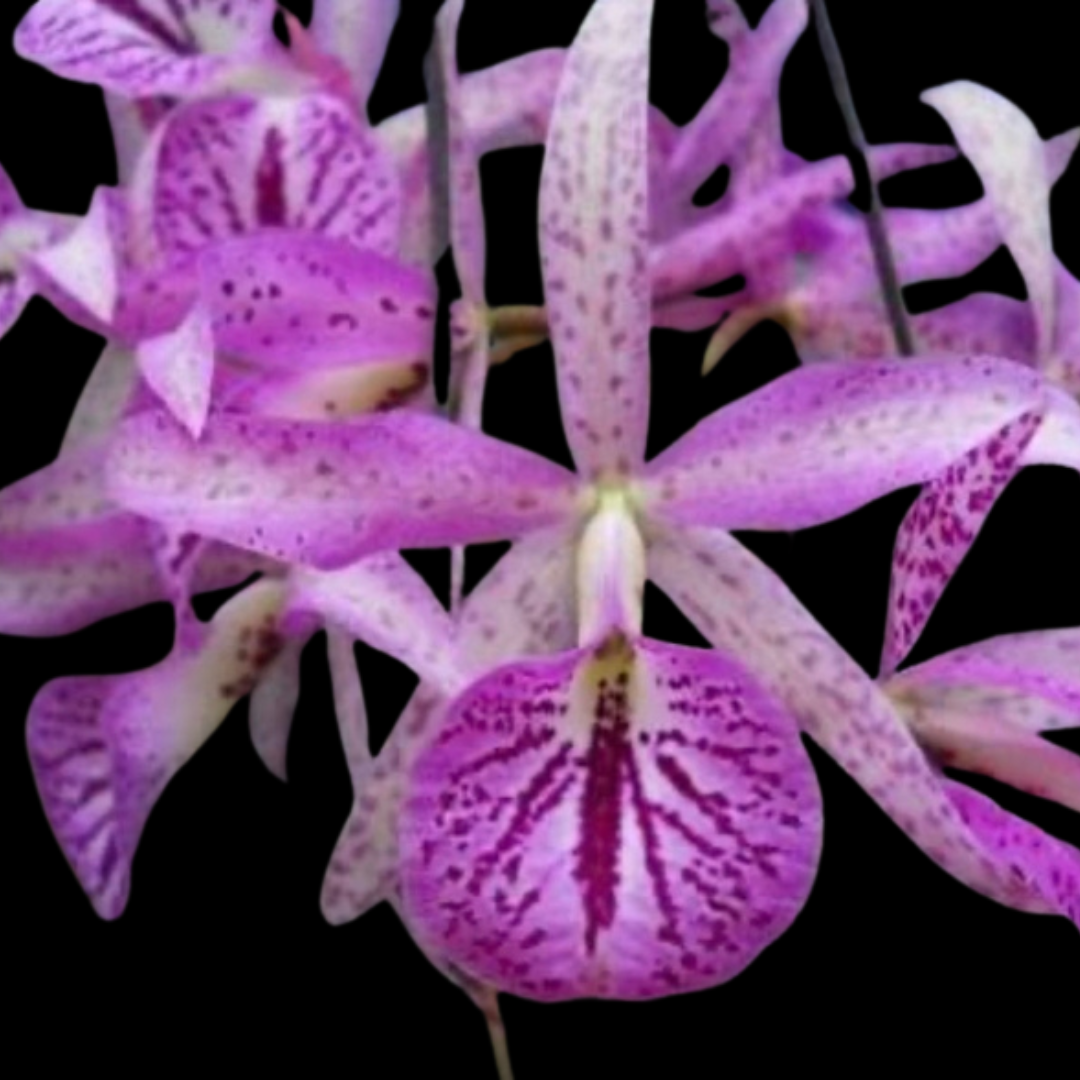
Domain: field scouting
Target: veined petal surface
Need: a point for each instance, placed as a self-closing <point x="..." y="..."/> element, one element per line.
<point x="235" y="164"/>
<point x="594" y="237"/>
<point x="821" y="441"/>
<point x="326" y="494"/>
<point x="140" y="48"/>
<point x="627" y="822"/>
<point x="103" y="747"/>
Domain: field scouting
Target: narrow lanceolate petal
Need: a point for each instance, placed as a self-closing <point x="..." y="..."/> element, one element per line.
<point x="594" y="237"/>
<point x="628" y="821"/>
<point x="357" y="33"/>
<point x="1048" y="868"/>
<point x="1010" y="158"/>
<point x="237" y="164"/>
<point x="295" y="301"/>
<point x="104" y="398"/>
<point x="822" y="441"/>
<point x="741" y="606"/>
<point x="1030" y="680"/>
<point x="941" y="526"/>
<point x="273" y="704"/>
<point x="326" y="494"/>
<point x="103" y="747"/>
<point x="382" y="601"/>
<point x="69" y="556"/>
<point x="140" y="48"/>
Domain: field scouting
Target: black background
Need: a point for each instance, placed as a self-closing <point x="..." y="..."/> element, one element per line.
<point x="222" y="957"/>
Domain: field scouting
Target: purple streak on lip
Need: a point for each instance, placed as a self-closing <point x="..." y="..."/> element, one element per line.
<point x="145" y="20"/>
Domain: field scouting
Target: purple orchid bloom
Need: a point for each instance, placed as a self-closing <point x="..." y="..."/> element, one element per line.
<point x="526" y="607"/>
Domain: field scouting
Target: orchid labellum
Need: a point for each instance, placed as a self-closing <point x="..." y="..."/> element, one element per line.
<point x="655" y="546"/>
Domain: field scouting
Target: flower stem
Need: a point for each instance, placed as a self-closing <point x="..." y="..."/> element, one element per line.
<point x="875" y="219"/>
<point x="488" y="1001"/>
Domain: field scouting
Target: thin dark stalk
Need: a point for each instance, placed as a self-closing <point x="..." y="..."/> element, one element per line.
<point x="875" y="219"/>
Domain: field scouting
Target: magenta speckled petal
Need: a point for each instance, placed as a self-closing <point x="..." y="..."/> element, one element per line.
<point x="179" y="367"/>
<point x="140" y="48"/>
<point x="743" y="607"/>
<point x="1031" y="680"/>
<point x="1046" y="869"/>
<point x="821" y="441"/>
<point x="594" y="237"/>
<point x="326" y="494"/>
<point x="296" y="301"/>
<point x="627" y="822"/>
<point x="382" y="601"/>
<point x="983" y="323"/>
<point x="941" y="526"/>
<point x="1011" y="160"/>
<point x="103" y="747"/>
<point x="272" y="705"/>
<point x="236" y="164"/>
<point x="357" y="33"/>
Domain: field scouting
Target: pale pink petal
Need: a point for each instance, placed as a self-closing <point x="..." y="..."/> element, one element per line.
<point x="941" y="526"/>
<point x="296" y="301"/>
<point x="1047" y="868"/>
<point x="272" y="705"/>
<point x="236" y="164"/>
<point x="103" y="747"/>
<point x="821" y="441"/>
<point x="627" y="822"/>
<point x="982" y="323"/>
<point x="84" y="265"/>
<point x="1030" y="680"/>
<point x="357" y="33"/>
<point x="1059" y="152"/>
<point x="743" y="607"/>
<point x="1005" y="148"/>
<point x="104" y="398"/>
<point x="382" y="601"/>
<point x="594" y="237"/>
<point x="179" y="367"/>
<point x="326" y="494"/>
<point x="139" y="48"/>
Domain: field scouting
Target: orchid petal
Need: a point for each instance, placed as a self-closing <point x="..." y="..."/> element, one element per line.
<point x="273" y="704"/>
<point x="179" y="368"/>
<point x="1003" y="145"/>
<point x="357" y="32"/>
<point x="1029" y="680"/>
<point x="237" y="164"/>
<point x="382" y="601"/>
<point x="326" y="494"/>
<point x="746" y="100"/>
<point x="103" y="748"/>
<point x="1047" y="868"/>
<point x="625" y="822"/>
<point x="748" y="610"/>
<point x="84" y="264"/>
<point x="822" y="441"/>
<point x="140" y="48"/>
<point x="594" y="237"/>
<point x="941" y="526"/>
<point x="294" y="301"/>
<point x="103" y="400"/>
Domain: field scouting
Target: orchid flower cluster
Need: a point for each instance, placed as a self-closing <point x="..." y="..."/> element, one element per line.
<point x="567" y="807"/>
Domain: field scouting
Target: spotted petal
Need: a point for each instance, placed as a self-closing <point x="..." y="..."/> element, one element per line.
<point x="821" y="441"/>
<point x="326" y="494"/>
<point x="594" y="237"/>
<point x="741" y="606"/>
<point x="103" y="747"/>
<point x="236" y="164"/>
<point x="627" y="822"/>
<point x="941" y="526"/>
<point x="140" y="48"/>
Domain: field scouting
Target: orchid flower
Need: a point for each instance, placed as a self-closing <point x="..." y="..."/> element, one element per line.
<point x="624" y="851"/>
<point x="769" y="649"/>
